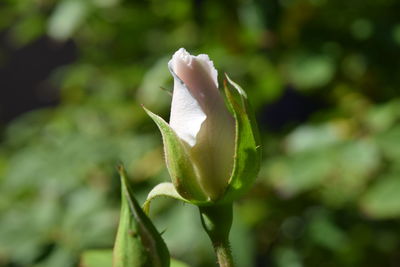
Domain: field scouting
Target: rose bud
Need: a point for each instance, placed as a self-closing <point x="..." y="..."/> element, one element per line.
<point x="211" y="145"/>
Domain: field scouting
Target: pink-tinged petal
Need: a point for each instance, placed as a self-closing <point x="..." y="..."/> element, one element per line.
<point x="200" y="117"/>
<point x="186" y="115"/>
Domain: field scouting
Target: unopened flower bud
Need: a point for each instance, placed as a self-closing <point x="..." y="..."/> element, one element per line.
<point x="211" y="146"/>
<point x="202" y="121"/>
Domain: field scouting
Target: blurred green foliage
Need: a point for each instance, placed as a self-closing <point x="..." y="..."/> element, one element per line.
<point x="328" y="191"/>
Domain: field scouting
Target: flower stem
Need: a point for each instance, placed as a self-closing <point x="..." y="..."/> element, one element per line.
<point x="224" y="255"/>
<point x="217" y="222"/>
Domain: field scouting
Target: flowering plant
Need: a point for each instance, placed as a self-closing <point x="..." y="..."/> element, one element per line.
<point x="212" y="154"/>
<point x="211" y="145"/>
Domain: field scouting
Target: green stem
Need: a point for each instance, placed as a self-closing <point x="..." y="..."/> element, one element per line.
<point x="224" y="255"/>
<point x="217" y="222"/>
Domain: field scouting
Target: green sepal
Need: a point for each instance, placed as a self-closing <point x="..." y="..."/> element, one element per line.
<point x="162" y="190"/>
<point x="247" y="156"/>
<point x="138" y="243"/>
<point x="178" y="163"/>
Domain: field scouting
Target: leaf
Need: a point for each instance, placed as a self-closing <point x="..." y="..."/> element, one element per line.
<point x="66" y="18"/>
<point x="162" y="190"/>
<point x="298" y="173"/>
<point x="323" y="231"/>
<point x="382" y="200"/>
<point x="138" y="243"/>
<point x="313" y="137"/>
<point x="178" y="162"/>
<point x="389" y="143"/>
<point x="247" y="152"/>
<point x="382" y="117"/>
<point x="309" y="72"/>
<point x="339" y="169"/>
<point x="355" y="162"/>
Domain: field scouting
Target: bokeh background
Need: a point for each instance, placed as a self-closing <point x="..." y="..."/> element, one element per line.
<point x="323" y="77"/>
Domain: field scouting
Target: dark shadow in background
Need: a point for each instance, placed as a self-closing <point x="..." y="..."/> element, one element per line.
<point x="290" y="109"/>
<point x="24" y="75"/>
<point x="24" y="85"/>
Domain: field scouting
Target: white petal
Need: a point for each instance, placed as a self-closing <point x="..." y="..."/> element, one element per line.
<point x="186" y="114"/>
<point x="209" y="66"/>
<point x="200" y="117"/>
<point x="199" y="76"/>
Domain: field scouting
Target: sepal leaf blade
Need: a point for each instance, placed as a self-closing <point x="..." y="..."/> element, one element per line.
<point x="162" y="190"/>
<point x="178" y="163"/>
<point x="138" y="243"/>
<point x="247" y="156"/>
